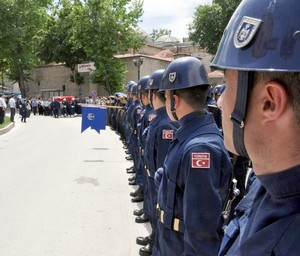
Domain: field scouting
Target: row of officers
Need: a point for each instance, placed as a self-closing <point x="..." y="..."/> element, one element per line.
<point x="171" y="129"/>
<point x="179" y="153"/>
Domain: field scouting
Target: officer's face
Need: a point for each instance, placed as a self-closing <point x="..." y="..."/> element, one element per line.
<point x="226" y="104"/>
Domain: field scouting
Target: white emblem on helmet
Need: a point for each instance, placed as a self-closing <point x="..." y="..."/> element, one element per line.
<point x="172" y="77"/>
<point x="150" y="82"/>
<point x="245" y="31"/>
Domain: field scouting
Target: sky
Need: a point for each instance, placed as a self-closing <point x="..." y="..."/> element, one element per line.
<point x="174" y="15"/>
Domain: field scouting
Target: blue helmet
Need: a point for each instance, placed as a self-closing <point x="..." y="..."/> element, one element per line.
<point x="219" y="89"/>
<point x="184" y="73"/>
<point x="261" y="35"/>
<point x="154" y="82"/>
<point x="129" y="85"/>
<point x="142" y="84"/>
<point x="134" y="89"/>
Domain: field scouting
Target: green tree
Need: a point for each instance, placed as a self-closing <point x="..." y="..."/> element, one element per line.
<point x="209" y="22"/>
<point x="156" y="33"/>
<point x="107" y="28"/>
<point x="58" y="44"/>
<point x="84" y="31"/>
<point x="21" y="23"/>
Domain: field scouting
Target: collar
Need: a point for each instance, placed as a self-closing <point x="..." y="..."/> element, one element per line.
<point x="192" y="122"/>
<point x="282" y="184"/>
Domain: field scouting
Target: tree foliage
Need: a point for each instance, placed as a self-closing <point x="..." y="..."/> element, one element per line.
<point x="156" y="33"/>
<point x="209" y="22"/>
<point x="84" y="31"/>
<point x="21" y="23"/>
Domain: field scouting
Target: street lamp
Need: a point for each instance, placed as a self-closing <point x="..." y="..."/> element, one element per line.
<point x="138" y="62"/>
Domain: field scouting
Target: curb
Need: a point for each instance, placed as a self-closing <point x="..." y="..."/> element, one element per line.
<point x="7" y="128"/>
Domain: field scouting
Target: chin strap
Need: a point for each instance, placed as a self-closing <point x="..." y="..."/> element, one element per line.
<point x="173" y="111"/>
<point x="245" y="83"/>
<point x="150" y="96"/>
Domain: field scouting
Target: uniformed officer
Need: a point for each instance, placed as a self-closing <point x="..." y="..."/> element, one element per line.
<point x="143" y="123"/>
<point x="65" y="107"/>
<point x="23" y="110"/>
<point x="128" y="133"/>
<point x="133" y="117"/>
<point x="260" y="53"/>
<point x="160" y="133"/>
<point x="196" y="171"/>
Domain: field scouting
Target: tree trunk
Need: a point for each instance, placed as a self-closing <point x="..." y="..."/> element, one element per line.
<point x="22" y="82"/>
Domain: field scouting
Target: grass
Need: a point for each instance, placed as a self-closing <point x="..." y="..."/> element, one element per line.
<point x="6" y="122"/>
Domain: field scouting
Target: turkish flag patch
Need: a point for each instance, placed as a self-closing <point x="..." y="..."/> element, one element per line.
<point x="167" y="134"/>
<point x="201" y="160"/>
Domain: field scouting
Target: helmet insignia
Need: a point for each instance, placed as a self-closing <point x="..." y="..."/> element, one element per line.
<point x="172" y="77"/>
<point x="150" y="81"/>
<point x="139" y="87"/>
<point x="245" y="31"/>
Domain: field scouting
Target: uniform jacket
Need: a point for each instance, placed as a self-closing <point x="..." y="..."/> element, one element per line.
<point x="273" y="228"/>
<point x="203" y="172"/>
<point x="160" y="134"/>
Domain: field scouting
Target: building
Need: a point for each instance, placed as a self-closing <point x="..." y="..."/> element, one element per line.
<point x="54" y="79"/>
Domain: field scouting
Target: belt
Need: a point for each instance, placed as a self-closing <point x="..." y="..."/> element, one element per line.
<point x="178" y="224"/>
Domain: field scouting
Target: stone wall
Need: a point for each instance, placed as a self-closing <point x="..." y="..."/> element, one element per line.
<point x="54" y="80"/>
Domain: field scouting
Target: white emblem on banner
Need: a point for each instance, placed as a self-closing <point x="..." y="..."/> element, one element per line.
<point x="91" y="116"/>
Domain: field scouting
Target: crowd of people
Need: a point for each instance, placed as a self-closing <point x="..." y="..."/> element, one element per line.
<point x="55" y="107"/>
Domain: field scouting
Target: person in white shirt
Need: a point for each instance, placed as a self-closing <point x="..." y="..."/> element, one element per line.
<point x="12" y="106"/>
<point x="2" y="107"/>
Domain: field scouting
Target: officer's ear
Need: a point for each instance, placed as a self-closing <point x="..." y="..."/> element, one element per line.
<point x="176" y="100"/>
<point x="274" y="98"/>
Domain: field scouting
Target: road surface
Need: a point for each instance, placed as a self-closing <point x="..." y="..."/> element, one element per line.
<point x="65" y="193"/>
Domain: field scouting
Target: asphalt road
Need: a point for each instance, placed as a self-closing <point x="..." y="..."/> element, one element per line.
<point x="65" y="193"/>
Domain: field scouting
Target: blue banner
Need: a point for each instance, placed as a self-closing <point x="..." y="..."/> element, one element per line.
<point x="93" y="117"/>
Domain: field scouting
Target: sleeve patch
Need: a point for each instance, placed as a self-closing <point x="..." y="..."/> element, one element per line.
<point x="201" y="160"/>
<point x="167" y="134"/>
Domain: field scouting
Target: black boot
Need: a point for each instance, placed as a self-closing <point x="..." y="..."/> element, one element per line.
<point x="138" y="192"/>
<point x="138" y="198"/>
<point x="132" y="183"/>
<point x="131" y="171"/>
<point x="142" y="219"/>
<point x="138" y="212"/>
<point x="143" y="240"/>
<point x="131" y="178"/>
<point x="147" y="250"/>
<point x="129" y="168"/>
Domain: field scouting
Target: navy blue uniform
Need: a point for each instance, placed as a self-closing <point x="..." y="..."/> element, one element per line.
<point x="236" y="227"/>
<point x="143" y="123"/>
<point x="160" y="134"/>
<point x="141" y="177"/>
<point x="273" y="225"/>
<point x="192" y="189"/>
<point x="134" y="118"/>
